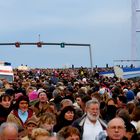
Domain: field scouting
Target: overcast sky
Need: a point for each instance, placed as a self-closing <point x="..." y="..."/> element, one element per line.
<point x="105" y="24"/>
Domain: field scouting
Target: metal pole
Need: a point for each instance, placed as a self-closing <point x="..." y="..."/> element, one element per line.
<point x="66" y="44"/>
<point x="90" y="54"/>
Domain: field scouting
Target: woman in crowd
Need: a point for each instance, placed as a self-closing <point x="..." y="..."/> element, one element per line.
<point x="65" y="118"/>
<point x="47" y="122"/>
<point x="5" y="107"/>
<point x="69" y="133"/>
<point x="21" y="112"/>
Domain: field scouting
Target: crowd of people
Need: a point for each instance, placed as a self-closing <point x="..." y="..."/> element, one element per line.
<point x="69" y="104"/>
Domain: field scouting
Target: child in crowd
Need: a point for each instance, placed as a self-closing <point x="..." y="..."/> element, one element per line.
<point x="47" y="122"/>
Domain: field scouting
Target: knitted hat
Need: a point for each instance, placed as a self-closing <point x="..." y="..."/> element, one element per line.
<point x="33" y="120"/>
<point x="33" y="95"/>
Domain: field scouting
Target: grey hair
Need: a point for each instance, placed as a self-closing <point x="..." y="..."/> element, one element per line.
<point x="8" y="124"/>
<point x="68" y="101"/>
<point x="92" y="101"/>
<point x="108" y="125"/>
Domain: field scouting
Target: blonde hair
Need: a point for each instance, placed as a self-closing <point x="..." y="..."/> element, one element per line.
<point x="39" y="132"/>
<point x="67" y="131"/>
<point x="47" y="117"/>
<point x="138" y="127"/>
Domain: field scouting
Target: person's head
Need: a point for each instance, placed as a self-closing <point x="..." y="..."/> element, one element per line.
<point x="47" y="121"/>
<point x="116" y="129"/>
<point x="49" y="107"/>
<point x="52" y="106"/>
<point x="42" y="96"/>
<point x="65" y="102"/>
<point x="78" y="100"/>
<point x="31" y="124"/>
<point x="136" y="114"/>
<point x="93" y="109"/>
<point x="111" y="101"/>
<point x="130" y="130"/>
<point x="55" y="138"/>
<point x="10" y="92"/>
<point x="124" y="114"/>
<point x="40" y="134"/>
<point x="105" y="97"/>
<point x="96" y="95"/>
<point x="82" y="99"/>
<point x="68" y="113"/>
<point x="121" y="100"/>
<point x="138" y="127"/>
<point x="5" y="100"/>
<point x="33" y="95"/>
<point x="30" y="89"/>
<point x="130" y="95"/>
<point x="130" y="106"/>
<point x="8" y="131"/>
<point x="22" y="103"/>
<point x="69" y="133"/>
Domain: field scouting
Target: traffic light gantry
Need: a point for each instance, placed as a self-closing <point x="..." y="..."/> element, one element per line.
<point x="62" y="45"/>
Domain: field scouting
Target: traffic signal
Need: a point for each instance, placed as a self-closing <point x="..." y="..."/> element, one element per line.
<point x="62" y="45"/>
<point x="39" y="44"/>
<point x="17" y="44"/>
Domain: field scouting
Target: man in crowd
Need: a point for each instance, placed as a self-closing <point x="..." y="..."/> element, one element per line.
<point x="116" y="129"/>
<point x="8" y="131"/>
<point x="90" y="125"/>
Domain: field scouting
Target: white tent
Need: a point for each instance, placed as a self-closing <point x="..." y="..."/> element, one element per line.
<point x="23" y="68"/>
